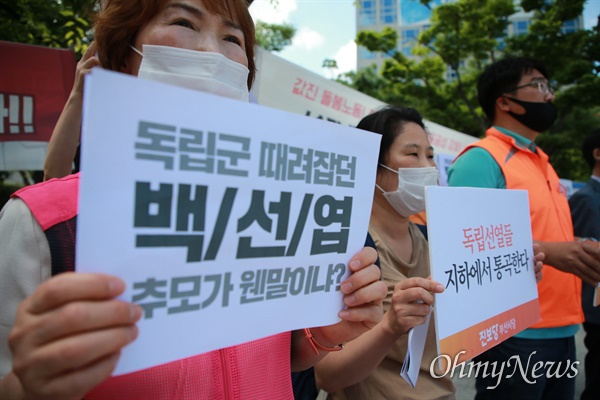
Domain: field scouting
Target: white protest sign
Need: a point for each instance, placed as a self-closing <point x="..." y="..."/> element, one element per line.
<point x="482" y="252"/>
<point x="228" y="221"/>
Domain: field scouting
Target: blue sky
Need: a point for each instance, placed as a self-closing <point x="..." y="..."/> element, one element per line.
<point x="327" y="28"/>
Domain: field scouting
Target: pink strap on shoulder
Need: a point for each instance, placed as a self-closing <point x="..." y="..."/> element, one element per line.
<point x="53" y="201"/>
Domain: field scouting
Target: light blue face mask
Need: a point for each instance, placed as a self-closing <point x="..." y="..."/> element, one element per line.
<point x="409" y="198"/>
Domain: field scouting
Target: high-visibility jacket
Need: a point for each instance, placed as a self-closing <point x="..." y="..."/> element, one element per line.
<point x="255" y="370"/>
<point x="559" y="292"/>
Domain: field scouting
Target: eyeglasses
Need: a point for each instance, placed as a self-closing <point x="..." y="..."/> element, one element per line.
<point x="542" y="86"/>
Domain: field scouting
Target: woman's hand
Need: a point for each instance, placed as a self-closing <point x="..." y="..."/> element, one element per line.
<point x="68" y="335"/>
<point x="411" y="303"/>
<point x="363" y="294"/>
<point x="84" y="66"/>
<point x="63" y="143"/>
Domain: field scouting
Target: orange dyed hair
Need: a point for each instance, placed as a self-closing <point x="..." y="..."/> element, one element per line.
<point x="119" y="21"/>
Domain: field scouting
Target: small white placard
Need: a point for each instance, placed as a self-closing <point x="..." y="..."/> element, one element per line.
<point x="482" y="251"/>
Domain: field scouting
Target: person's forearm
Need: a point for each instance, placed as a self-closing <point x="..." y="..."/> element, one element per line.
<point x="553" y="258"/>
<point x="65" y="138"/>
<point x="358" y="359"/>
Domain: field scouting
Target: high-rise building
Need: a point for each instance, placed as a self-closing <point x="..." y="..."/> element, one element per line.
<point x="409" y="18"/>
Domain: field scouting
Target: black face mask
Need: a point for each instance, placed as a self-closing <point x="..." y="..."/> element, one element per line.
<point x="538" y="116"/>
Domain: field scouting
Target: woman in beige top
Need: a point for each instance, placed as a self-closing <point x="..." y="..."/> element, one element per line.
<point x="369" y="367"/>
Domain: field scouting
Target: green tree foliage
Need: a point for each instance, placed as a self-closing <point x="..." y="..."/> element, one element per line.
<point x="68" y="24"/>
<point x="52" y="23"/>
<point x="463" y="38"/>
<point x="274" y="37"/>
<point x="574" y="62"/>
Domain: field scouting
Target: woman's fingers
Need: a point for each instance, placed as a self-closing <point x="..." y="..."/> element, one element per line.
<point x="84" y="66"/>
<point x="416" y="290"/>
<point x="67" y="335"/>
<point x="89" y="52"/>
<point x="411" y="303"/>
<point x="69" y="287"/>
<point x="363" y="287"/>
<point x="425" y="283"/>
<point x="78" y="317"/>
<point x="75" y="352"/>
<point x="76" y="383"/>
<point x="363" y="258"/>
<point x="368" y="315"/>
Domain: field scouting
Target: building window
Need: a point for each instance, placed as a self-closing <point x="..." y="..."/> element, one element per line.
<point x="412" y="11"/>
<point x="409" y="40"/>
<point x="367" y="12"/>
<point x="569" y="26"/>
<point x="388" y="11"/>
<point x="521" y="27"/>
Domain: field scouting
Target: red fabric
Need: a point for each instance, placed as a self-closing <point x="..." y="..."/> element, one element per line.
<point x="52" y="201"/>
<point x="33" y="75"/>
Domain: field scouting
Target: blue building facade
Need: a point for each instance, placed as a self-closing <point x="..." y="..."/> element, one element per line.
<point x="409" y="18"/>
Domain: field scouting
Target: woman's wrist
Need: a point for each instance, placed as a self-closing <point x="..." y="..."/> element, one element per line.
<point x="319" y="345"/>
<point x="323" y="338"/>
<point x="389" y="325"/>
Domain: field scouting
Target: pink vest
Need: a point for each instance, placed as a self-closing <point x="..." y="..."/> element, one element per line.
<point x="255" y="370"/>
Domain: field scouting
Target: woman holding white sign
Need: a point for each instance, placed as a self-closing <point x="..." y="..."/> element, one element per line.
<point x="370" y="366"/>
<point x="66" y="330"/>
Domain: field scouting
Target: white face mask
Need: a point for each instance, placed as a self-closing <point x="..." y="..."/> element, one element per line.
<point x="198" y="70"/>
<point x="409" y="199"/>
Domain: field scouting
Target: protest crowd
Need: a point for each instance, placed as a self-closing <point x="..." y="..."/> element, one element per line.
<point x="62" y="332"/>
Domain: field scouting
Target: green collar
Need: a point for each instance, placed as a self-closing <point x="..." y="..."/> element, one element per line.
<point x="521" y="141"/>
